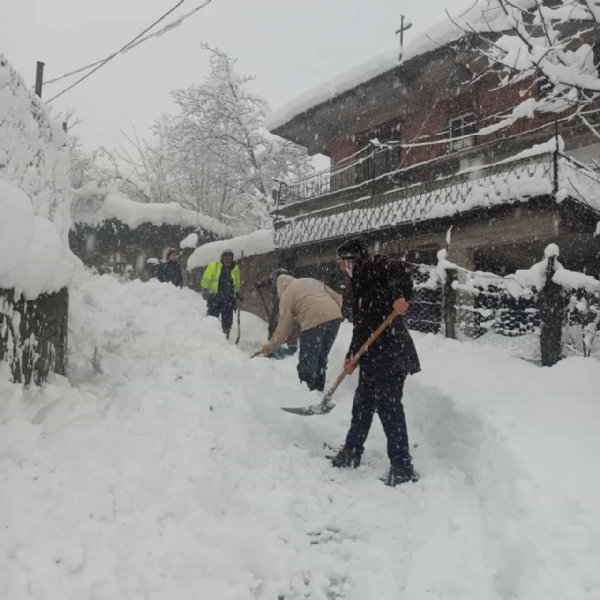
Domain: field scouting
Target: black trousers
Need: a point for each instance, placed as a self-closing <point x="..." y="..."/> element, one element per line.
<point x="223" y="307"/>
<point x="379" y="392"/>
<point x="315" y="345"/>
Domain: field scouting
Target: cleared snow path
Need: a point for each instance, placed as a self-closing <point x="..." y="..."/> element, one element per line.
<point x="165" y="470"/>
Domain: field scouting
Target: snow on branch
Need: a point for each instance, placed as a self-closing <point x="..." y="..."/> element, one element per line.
<point x="554" y="44"/>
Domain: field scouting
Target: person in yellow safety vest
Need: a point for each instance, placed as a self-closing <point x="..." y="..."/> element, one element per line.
<point x="221" y="289"/>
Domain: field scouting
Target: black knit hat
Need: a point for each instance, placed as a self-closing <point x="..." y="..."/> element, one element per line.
<point x="227" y="252"/>
<point x="354" y="248"/>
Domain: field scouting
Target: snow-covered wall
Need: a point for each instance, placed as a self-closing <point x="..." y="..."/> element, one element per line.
<point x="32" y="151"/>
<point x="258" y="242"/>
<point x="33" y="258"/>
<point x="107" y="206"/>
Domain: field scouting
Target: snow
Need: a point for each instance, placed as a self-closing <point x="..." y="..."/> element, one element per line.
<point x="518" y="178"/>
<point x="479" y="191"/>
<point x="190" y="241"/>
<point x="32" y="151"/>
<point x="164" y="469"/>
<point x="257" y="242"/>
<point x="34" y="257"/>
<point x="116" y="206"/>
<point x="535" y="276"/>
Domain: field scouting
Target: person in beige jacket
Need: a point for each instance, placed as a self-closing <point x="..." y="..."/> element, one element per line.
<point x="316" y="310"/>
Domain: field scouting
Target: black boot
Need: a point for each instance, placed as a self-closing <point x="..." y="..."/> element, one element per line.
<point x="346" y="458"/>
<point x="401" y="473"/>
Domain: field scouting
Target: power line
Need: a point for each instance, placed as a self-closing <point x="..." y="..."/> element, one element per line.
<point x="136" y="42"/>
<point x="123" y="49"/>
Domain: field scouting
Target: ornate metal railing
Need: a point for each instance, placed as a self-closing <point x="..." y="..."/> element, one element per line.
<point x="502" y="183"/>
<point x="367" y="164"/>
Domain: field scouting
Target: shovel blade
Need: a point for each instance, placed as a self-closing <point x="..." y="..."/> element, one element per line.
<point x="324" y="407"/>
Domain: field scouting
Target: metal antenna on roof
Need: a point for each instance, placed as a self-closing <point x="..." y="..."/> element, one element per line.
<point x="405" y="24"/>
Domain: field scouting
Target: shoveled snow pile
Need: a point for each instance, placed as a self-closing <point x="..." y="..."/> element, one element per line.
<point x="32" y="151"/>
<point x="166" y="470"/>
<point x="258" y="242"/>
<point x="34" y="259"/>
<point x="189" y="241"/>
<point x="105" y="206"/>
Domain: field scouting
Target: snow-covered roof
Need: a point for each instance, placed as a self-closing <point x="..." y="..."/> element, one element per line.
<point x="258" y="242"/>
<point x="133" y="214"/>
<point x="484" y="15"/>
<point x="34" y="259"/>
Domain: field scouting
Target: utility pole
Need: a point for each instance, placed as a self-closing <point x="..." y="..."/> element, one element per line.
<point x="405" y="25"/>
<point x="39" y="78"/>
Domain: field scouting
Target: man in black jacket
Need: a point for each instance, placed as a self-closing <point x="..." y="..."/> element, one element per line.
<point x="379" y="285"/>
<point x="170" y="270"/>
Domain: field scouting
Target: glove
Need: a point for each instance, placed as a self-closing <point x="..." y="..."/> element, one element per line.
<point x="349" y="366"/>
<point x="205" y="294"/>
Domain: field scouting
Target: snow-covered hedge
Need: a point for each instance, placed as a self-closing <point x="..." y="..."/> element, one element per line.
<point x="33" y="258"/>
<point x="32" y="151"/>
<point x="104" y="205"/>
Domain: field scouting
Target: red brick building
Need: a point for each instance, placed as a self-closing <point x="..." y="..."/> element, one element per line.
<point x="414" y="150"/>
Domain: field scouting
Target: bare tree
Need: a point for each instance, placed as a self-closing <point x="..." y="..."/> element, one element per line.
<point x="552" y="42"/>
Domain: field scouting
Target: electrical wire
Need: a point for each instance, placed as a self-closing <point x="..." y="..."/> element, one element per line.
<point x="139" y="39"/>
<point x="120" y="51"/>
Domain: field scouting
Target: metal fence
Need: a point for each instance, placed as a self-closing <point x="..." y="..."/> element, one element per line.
<point x="497" y="311"/>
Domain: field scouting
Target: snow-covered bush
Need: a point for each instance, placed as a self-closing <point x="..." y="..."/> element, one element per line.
<point x="32" y="150"/>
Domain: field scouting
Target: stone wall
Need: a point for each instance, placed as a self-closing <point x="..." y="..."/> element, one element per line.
<point x="33" y="335"/>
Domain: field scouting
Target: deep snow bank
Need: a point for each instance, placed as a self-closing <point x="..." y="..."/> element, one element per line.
<point x="166" y="470"/>
<point x="34" y="257"/>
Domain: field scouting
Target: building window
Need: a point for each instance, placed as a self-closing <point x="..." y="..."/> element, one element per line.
<point x="383" y="159"/>
<point x="460" y="127"/>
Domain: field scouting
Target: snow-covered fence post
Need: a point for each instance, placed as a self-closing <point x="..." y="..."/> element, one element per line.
<point x="449" y="303"/>
<point x="551" y="305"/>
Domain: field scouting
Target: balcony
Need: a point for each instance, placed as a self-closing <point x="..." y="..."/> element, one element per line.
<point x="319" y="208"/>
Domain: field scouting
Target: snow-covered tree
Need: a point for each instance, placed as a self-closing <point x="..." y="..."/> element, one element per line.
<point x="215" y="154"/>
<point x="553" y="42"/>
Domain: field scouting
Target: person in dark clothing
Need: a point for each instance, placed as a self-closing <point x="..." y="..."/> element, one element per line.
<point x="170" y="270"/>
<point x="221" y="288"/>
<point x="379" y="285"/>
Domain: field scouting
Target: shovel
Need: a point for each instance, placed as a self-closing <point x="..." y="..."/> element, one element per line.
<point x="326" y="405"/>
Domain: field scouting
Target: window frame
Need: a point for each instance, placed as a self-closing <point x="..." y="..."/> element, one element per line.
<point x="468" y="126"/>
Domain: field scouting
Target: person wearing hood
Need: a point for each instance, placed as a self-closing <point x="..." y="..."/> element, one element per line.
<point x="170" y="270"/>
<point x="379" y="285"/>
<point x="221" y="289"/>
<point x="315" y="309"/>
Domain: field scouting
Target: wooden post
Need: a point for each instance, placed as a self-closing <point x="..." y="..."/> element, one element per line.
<point x="449" y="304"/>
<point x="39" y="78"/>
<point x="551" y="304"/>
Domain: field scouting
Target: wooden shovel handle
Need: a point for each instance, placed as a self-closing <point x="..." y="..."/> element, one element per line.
<point x="374" y="336"/>
<point x="362" y="350"/>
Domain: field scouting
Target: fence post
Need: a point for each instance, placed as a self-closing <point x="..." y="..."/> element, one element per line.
<point x="551" y="304"/>
<point x="449" y="304"/>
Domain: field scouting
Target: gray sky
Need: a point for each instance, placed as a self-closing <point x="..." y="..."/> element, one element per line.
<point x="289" y="45"/>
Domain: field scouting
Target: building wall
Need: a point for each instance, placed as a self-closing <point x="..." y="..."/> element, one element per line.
<point x="429" y="121"/>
